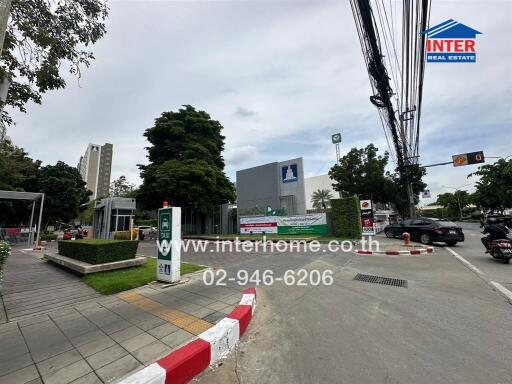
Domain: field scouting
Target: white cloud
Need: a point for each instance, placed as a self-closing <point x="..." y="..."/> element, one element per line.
<point x="297" y="65"/>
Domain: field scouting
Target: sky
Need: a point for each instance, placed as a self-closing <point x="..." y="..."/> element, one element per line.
<point x="280" y="76"/>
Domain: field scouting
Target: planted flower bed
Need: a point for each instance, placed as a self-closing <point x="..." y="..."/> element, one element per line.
<point x="98" y="251"/>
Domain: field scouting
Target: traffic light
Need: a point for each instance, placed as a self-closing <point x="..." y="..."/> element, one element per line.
<point x="468" y="158"/>
<point x="476" y="157"/>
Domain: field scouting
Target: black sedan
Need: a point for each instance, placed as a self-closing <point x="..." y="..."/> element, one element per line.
<point x="427" y="230"/>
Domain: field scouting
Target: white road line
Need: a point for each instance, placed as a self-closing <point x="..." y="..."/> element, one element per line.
<point x="464" y="261"/>
<point x="503" y="290"/>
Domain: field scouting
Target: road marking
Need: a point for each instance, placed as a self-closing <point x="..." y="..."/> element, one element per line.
<point x="464" y="261"/>
<point x="502" y="289"/>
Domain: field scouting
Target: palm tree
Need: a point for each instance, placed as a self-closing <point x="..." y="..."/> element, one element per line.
<point x="320" y="198"/>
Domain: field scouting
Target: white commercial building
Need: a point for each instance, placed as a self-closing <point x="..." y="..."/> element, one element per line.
<point x="95" y="166"/>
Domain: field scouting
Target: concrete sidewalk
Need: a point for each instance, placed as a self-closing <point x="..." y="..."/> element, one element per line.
<point x="104" y="338"/>
<point x="32" y="286"/>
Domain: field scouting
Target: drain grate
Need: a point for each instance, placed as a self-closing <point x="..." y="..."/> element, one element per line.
<point x="381" y="280"/>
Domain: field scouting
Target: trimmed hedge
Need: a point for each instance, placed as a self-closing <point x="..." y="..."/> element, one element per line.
<point x="122" y="235"/>
<point x="48" y="236"/>
<point x="98" y="251"/>
<point x="346" y="218"/>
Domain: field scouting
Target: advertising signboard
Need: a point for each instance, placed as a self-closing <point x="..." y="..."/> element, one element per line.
<point x="285" y="225"/>
<point x="367" y="219"/>
<point x="169" y="247"/>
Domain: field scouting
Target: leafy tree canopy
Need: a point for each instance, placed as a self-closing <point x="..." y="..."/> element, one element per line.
<point x="397" y="193"/>
<point x="186" y="165"/>
<point x="361" y="172"/>
<point x="63" y="186"/>
<point x="494" y="189"/>
<point x="64" y="190"/>
<point x="15" y="166"/>
<point x="454" y="202"/>
<point x="121" y="187"/>
<point x="42" y="35"/>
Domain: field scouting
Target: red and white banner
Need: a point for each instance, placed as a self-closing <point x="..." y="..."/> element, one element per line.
<point x="263" y="224"/>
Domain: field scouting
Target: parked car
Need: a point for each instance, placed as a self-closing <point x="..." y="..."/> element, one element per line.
<point x="147" y="231"/>
<point x="427" y="230"/>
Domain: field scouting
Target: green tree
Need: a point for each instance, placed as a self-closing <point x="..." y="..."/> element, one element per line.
<point x="321" y="198"/>
<point x="43" y="35"/>
<point x="494" y="189"/>
<point x="121" y="187"/>
<point x="64" y="189"/>
<point x="454" y="202"/>
<point x="16" y="168"/>
<point x="362" y="172"/>
<point x="397" y="190"/>
<point x="186" y="165"/>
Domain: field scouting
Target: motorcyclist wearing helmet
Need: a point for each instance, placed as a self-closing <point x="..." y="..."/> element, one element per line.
<point x="494" y="232"/>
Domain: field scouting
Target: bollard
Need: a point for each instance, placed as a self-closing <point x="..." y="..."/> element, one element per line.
<point x="407" y="238"/>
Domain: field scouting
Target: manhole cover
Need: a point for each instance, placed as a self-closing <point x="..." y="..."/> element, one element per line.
<point x="381" y="280"/>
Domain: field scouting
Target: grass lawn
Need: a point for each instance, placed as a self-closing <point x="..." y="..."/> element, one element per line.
<point x="124" y="279"/>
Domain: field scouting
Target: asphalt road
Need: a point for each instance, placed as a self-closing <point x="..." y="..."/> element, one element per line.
<point x="447" y="326"/>
<point x="474" y="252"/>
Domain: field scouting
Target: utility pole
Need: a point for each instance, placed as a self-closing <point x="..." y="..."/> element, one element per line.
<point x="410" y="193"/>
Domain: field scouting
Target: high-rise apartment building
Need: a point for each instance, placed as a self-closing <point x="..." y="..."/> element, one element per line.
<point x="95" y="167"/>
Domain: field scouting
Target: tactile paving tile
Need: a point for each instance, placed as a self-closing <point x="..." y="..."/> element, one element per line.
<point x="183" y="320"/>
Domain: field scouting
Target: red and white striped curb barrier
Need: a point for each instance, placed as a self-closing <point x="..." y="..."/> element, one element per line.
<point x="408" y="252"/>
<point x="182" y="365"/>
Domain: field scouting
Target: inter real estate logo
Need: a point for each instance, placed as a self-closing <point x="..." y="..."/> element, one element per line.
<point x="451" y="42"/>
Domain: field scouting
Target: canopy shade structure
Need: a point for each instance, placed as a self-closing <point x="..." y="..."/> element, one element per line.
<point x="30" y="196"/>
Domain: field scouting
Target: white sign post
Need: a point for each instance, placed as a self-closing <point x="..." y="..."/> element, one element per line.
<point x="168" y="266"/>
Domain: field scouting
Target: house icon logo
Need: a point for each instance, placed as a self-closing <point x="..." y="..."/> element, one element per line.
<point x="451" y="42"/>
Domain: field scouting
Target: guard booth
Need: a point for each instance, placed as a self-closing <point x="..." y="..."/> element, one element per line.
<point x="112" y="214"/>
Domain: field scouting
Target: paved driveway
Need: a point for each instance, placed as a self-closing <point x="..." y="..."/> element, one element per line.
<point x="446" y="326"/>
<point x="33" y="287"/>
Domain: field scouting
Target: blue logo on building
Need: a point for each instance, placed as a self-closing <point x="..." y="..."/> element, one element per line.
<point x="289" y="173"/>
<point x="451" y="42"/>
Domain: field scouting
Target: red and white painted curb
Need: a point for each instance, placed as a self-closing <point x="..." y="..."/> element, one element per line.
<point x="407" y="252"/>
<point x="181" y="365"/>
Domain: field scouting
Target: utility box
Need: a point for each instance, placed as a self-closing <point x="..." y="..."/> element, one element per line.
<point x="111" y="215"/>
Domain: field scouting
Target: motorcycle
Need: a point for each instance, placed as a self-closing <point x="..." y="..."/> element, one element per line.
<point x="500" y="249"/>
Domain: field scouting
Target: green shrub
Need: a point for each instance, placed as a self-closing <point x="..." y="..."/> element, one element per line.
<point x="98" y="251"/>
<point x="48" y="236"/>
<point x="5" y="251"/>
<point x="122" y="235"/>
<point x="346" y="218"/>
